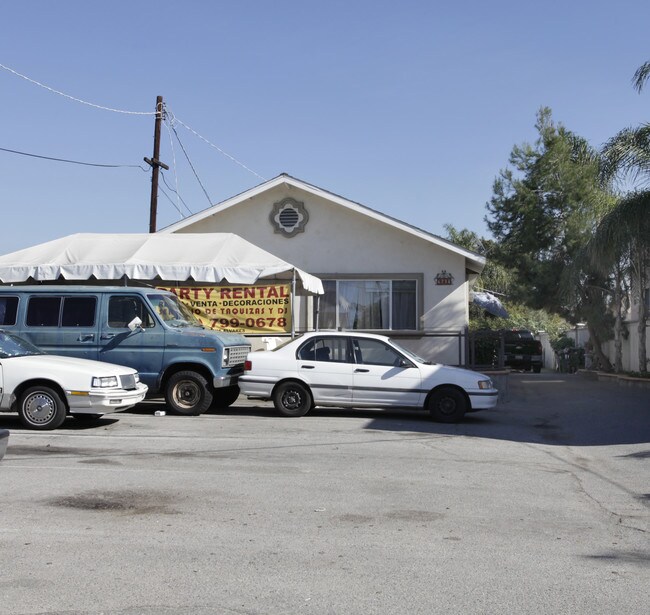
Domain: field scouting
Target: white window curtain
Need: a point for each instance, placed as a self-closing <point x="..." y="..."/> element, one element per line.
<point x="368" y="305"/>
<point x="364" y="304"/>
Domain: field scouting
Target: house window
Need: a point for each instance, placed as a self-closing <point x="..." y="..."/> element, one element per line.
<point x="368" y="305"/>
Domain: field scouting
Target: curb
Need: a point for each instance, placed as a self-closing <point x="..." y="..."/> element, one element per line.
<point x="619" y="379"/>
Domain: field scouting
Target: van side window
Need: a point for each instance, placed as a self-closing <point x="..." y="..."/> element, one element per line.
<point x="123" y="309"/>
<point x="78" y="312"/>
<point x="8" y="310"/>
<point x="43" y="311"/>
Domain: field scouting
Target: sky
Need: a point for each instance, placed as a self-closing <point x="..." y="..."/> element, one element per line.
<point x="411" y="108"/>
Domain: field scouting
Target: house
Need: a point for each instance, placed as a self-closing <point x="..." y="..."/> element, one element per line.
<point x="379" y="274"/>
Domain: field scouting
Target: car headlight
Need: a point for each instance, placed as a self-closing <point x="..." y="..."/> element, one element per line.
<point x="105" y="382"/>
<point x="226" y="357"/>
<point x="484" y="384"/>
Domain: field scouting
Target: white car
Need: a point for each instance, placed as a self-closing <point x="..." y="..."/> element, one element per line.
<point x="45" y="388"/>
<point x="361" y="370"/>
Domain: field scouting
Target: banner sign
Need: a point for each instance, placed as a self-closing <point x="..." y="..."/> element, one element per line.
<point x="239" y="309"/>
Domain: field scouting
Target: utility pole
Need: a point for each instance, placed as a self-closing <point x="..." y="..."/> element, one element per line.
<point x="155" y="165"/>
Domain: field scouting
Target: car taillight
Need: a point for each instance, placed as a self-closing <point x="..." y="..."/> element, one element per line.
<point x="248" y="366"/>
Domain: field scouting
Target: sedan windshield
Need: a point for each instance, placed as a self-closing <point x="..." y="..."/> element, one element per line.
<point x="409" y="353"/>
<point x="14" y="346"/>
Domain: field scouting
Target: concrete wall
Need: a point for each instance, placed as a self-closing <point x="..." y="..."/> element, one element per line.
<point x="630" y="348"/>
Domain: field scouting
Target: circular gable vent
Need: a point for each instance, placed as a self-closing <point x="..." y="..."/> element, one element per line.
<point x="289" y="217"/>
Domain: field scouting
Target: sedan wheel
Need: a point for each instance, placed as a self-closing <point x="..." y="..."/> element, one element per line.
<point x="447" y="405"/>
<point x="292" y="399"/>
<point x="41" y="408"/>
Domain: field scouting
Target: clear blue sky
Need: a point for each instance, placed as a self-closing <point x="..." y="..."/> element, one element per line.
<point x="408" y="107"/>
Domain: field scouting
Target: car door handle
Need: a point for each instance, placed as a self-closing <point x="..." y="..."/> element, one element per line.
<point x="362" y="371"/>
<point x="87" y="337"/>
<point x="307" y="366"/>
<point x="107" y="336"/>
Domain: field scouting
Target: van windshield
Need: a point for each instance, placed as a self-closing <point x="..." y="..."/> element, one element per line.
<point x="173" y="312"/>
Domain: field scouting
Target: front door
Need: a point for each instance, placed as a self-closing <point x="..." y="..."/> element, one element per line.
<point x="143" y="348"/>
<point x="384" y="377"/>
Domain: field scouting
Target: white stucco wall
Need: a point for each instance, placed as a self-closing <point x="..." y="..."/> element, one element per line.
<point x="341" y="241"/>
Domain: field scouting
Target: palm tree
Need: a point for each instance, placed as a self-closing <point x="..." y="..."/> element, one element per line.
<point x="626" y="229"/>
<point x="623" y="236"/>
<point x="641" y="76"/>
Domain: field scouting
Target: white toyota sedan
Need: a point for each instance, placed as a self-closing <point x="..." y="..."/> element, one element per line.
<point x="361" y="371"/>
<point x="45" y="388"/>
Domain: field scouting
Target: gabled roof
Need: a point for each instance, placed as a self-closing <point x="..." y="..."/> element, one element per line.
<point x="474" y="261"/>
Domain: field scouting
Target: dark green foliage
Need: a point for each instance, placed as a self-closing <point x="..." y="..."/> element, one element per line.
<point x="543" y="211"/>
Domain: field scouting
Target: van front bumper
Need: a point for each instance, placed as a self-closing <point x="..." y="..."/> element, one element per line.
<point x="228" y="380"/>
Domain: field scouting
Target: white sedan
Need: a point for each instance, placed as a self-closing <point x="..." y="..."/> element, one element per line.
<point x="361" y="370"/>
<point x="45" y="388"/>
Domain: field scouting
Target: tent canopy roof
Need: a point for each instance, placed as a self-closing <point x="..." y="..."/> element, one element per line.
<point x="202" y="257"/>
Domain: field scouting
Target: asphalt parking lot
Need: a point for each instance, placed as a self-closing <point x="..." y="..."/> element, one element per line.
<point x="539" y="506"/>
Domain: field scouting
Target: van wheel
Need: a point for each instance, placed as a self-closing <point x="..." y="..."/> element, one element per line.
<point x="41" y="407"/>
<point x="222" y="398"/>
<point x="188" y="393"/>
<point x="447" y="405"/>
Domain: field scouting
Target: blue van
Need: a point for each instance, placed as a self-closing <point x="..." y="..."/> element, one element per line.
<point x="144" y="328"/>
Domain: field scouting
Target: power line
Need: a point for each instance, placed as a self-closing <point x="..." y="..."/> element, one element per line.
<point x="226" y="154"/>
<point x="88" y="164"/>
<point x="171" y="145"/>
<point x="178" y="196"/>
<point x="171" y="120"/>
<point x="191" y="166"/>
<point x="79" y="100"/>
<point x="174" y="205"/>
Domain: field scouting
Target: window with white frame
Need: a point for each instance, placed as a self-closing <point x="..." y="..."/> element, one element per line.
<point x="368" y="304"/>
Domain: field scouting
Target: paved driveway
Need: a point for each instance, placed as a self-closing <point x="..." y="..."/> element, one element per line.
<point x="540" y="506"/>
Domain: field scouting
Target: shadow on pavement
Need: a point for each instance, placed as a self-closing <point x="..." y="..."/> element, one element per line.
<point x="552" y="409"/>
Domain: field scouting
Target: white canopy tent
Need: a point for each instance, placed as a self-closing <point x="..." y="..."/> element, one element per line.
<point x="202" y="257"/>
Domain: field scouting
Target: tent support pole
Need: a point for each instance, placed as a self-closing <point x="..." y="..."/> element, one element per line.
<point x="293" y="294"/>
